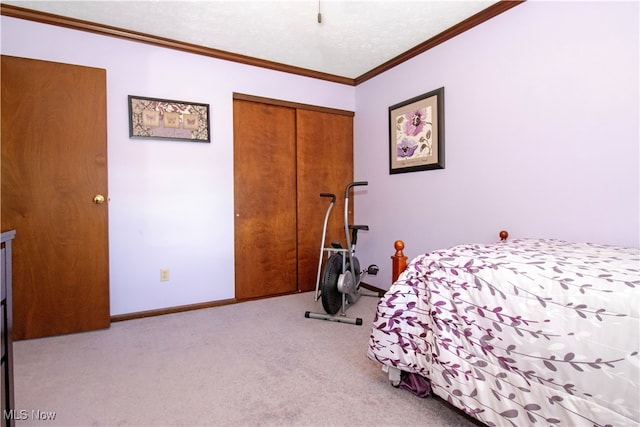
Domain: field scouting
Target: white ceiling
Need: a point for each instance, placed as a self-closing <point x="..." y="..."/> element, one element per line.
<point x="355" y="36"/>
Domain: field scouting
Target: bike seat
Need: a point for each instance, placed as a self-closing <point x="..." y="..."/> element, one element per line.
<point x="354" y="232"/>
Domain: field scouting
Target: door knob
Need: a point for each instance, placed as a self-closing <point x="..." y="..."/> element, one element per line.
<point x="98" y="199"/>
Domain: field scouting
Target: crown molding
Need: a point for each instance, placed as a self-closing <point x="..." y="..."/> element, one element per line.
<point x="106" y="30"/>
<point x="467" y="24"/>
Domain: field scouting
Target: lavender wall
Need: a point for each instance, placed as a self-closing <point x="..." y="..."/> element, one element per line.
<point x="171" y="202"/>
<point x="541" y="118"/>
<point x="541" y="139"/>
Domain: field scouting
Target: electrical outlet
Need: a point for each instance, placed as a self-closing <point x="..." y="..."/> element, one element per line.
<point x="164" y="274"/>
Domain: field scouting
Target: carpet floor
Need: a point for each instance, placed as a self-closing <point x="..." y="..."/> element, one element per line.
<point x="257" y="363"/>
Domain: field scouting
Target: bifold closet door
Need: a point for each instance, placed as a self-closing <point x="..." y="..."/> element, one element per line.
<point x="264" y="199"/>
<point x="325" y="165"/>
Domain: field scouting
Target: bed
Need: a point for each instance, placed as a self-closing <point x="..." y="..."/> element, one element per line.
<point x="516" y="333"/>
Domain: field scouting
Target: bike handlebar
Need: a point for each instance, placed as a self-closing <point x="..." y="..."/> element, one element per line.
<point x="333" y="196"/>
<point x="353" y="184"/>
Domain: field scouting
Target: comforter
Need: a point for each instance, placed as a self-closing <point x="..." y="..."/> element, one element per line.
<point x="525" y="332"/>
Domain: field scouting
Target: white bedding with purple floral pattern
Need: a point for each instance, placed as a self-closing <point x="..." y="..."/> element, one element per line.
<point x="518" y="333"/>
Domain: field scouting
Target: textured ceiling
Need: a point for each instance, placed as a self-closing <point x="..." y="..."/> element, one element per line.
<point x="353" y="38"/>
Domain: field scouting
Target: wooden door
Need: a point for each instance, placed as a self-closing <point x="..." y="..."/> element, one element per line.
<point x="325" y="165"/>
<point x="265" y="199"/>
<point x="54" y="162"/>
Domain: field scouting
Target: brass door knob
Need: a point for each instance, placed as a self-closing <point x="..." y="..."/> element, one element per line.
<point x="98" y="199"/>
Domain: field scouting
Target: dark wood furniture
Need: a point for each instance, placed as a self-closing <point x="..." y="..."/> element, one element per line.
<point x="6" y="319"/>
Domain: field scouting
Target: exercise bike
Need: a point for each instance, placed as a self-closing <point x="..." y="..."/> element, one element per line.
<point x="338" y="283"/>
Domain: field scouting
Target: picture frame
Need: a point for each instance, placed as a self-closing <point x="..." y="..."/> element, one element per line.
<point x="168" y="119"/>
<point x="416" y="133"/>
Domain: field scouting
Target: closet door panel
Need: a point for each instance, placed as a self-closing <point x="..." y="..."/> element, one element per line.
<point x="325" y="165"/>
<point x="265" y="199"/>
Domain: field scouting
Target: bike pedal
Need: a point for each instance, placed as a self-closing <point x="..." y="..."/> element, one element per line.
<point x="373" y="269"/>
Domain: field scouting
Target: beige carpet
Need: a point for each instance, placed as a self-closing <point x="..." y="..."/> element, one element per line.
<point x="259" y="363"/>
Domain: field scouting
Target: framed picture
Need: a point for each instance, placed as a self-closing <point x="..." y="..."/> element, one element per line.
<point x="168" y="119"/>
<point x="416" y="133"/>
